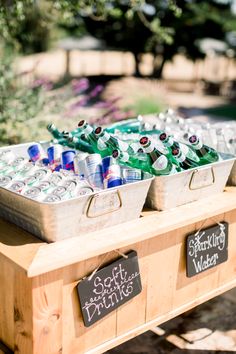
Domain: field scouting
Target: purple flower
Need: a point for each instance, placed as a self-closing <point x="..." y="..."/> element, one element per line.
<point x="42" y="82"/>
<point x="79" y="86"/>
<point x="96" y="91"/>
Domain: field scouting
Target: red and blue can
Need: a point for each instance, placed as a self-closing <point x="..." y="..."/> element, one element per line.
<point x="67" y="160"/>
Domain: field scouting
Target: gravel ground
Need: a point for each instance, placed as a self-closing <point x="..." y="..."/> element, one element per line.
<point x="208" y="329"/>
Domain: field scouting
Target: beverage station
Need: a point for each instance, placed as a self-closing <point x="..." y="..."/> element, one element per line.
<point x="101" y="221"/>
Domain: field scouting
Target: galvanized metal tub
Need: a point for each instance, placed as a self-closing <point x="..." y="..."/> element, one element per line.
<point x="232" y="176"/>
<point x="70" y="218"/>
<point x="167" y="192"/>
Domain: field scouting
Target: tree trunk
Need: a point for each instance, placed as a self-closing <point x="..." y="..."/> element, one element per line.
<point x="137" y="62"/>
<point x="158" y="69"/>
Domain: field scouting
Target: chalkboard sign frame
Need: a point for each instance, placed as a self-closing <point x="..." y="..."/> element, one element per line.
<point x="211" y="243"/>
<point x="109" y="288"/>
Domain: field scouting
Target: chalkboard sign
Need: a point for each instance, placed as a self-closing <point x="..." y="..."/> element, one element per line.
<point x="109" y="288"/>
<point x="207" y="248"/>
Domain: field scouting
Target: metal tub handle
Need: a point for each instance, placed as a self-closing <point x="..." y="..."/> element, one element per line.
<point x="191" y="186"/>
<point x="108" y="209"/>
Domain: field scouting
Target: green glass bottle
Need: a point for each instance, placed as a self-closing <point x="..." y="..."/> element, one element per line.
<point x="93" y="139"/>
<point x="184" y="162"/>
<point x="54" y="131"/>
<point x="79" y="144"/>
<point x="204" y="152"/>
<point x="160" y="164"/>
<point x="126" y="126"/>
<point x="140" y="161"/>
<point x="169" y="142"/>
<point x="108" y="141"/>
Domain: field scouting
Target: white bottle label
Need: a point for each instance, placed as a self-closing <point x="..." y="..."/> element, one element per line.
<point x="125" y="156"/>
<point x="123" y="146"/>
<point x="135" y="147"/>
<point x="161" y="163"/>
<point x="149" y="148"/>
<point x="101" y="145"/>
<point x="197" y="146"/>
<point x="87" y="130"/>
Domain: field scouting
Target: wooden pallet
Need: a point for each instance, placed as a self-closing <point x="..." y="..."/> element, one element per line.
<point x="40" y="312"/>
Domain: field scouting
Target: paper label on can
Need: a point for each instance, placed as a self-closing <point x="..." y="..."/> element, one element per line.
<point x="161" y="163"/>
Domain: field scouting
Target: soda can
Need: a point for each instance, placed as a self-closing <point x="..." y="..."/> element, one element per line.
<point x="30" y="180"/>
<point x="94" y="169"/>
<point x="56" y="178"/>
<point x="106" y="163"/>
<point x="131" y="175"/>
<point x="84" y="191"/>
<point x="80" y="166"/>
<point x="62" y="192"/>
<point x="42" y="173"/>
<point x="67" y="160"/>
<point x="70" y="185"/>
<point x="113" y="178"/>
<point x="5" y="181"/>
<point x="34" y="152"/>
<point x="52" y="198"/>
<point x="45" y="186"/>
<point x="18" y="162"/>
<point x="35" y="193"/>
<point x="17" y="186"/>
<point x="7" y="156"/>
<point x="27" y="169"/>
<point x="54" y="154"/>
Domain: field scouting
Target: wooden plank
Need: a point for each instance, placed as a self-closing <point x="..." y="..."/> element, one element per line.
<point x="190" y="288"/>
<point x="23" y="329"/>
<point x="161" y="319"/>
<point x="18" y="245"/>
<point x="77" y="338"/>
<point x="4" y="349"/>
<point x="63" y="253"/>
<point x="47" y="313"/>
<point x="7" y="278"/>
<point x="127" y="315"/>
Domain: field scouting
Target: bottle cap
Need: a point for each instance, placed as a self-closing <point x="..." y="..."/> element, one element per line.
<point x="144" y="140"/>
<point x="193" y="139"/>
<point x="115" y="154"/>
<point x="81" y="123"/>
<point x="98" y="131"/>
<point x="163" y="136"/>
<point x="175" y="152"/>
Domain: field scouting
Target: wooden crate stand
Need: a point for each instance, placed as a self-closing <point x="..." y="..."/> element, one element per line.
<point x="40" y="312"/>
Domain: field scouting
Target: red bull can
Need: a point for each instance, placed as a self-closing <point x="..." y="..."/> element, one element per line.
<point x="54" y="155"/>
<point x="67" y="160"/>
<point x="34" y="152"/>
<point x="111" y="172"/>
